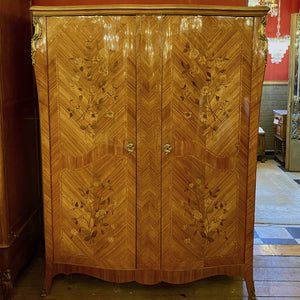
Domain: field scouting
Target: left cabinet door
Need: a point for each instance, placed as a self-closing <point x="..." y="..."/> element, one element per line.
<point x="92" y="112"/>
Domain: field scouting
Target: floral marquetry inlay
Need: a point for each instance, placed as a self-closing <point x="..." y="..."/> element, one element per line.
<point x="208" y="96"/>
<point x="92" y="210"/>
<point x="206" y="211"/>
<point x="92" y="87"/>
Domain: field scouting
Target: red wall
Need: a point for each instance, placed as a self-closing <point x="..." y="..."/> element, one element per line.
<point x="94" y="2"/>
<point x="279" y="72"/>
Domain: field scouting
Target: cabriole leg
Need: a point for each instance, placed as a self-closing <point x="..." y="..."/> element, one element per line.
<point x="7" y="285"/>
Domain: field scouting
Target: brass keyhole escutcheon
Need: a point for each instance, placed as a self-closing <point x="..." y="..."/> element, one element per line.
<point x="130" y="148"/>
<point x="167" y="148"/>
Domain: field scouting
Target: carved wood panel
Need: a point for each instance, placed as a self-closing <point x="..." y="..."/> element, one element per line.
<point x="92" y="119"/>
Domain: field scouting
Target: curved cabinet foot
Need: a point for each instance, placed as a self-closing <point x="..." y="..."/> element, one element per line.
<point x="251" y="289"/>
<point x="43" y="292"/>
<point x="6" y="282"/>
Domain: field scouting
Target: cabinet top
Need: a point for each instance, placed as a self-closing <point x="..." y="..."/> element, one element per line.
<point x="205" y="10"/>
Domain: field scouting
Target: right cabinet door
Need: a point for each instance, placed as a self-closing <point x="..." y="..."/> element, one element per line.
<point x="205" y="119"/>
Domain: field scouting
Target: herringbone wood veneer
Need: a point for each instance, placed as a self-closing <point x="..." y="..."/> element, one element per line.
<point x="204" y="181"/>
<point x="149" y="129"/>
<point x="92" y="113"/>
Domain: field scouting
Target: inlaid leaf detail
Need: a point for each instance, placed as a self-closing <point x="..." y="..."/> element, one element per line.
<point x="91" y="88"/>
<point x="92" y="210"/>
<point x="206" y="211"/>
<point x="208" y="96"/>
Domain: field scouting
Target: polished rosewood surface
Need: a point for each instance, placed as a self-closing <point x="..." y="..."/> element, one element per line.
<point x="149" y="136"/>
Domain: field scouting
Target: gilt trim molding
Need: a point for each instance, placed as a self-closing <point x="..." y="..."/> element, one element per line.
<point x="36" y="36"/>
<point x="263" y="37"/>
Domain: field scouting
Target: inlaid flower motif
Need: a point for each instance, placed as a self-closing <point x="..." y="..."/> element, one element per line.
<point x="103" y="54"/>
<point x="219" y="63"/>
<point x="75" y="78"/>
<point x="93" y="90"/>
<point x="194" y="53"/>
<point x="202" y="60"/>
<point x="110" y="239"/>
<point x="92" y="210"/>
<point x="89" y="200"/>
<point x="195" y="70"/>
<point x="112" y="91"/>
<point x="206" y="90"/>
<point x="196" y="214"/>
<point x="92" y="116"/>
<point x="96" y="184"/>
<point x="205" y="210"/>
<point x="100" y="214"/>
<point x="199" y="181"/>
<point x="78" y="61"/>
<point x="74" y="232"/>
<point x="110" y="114"/>
<point x="90" y="88"/>
<point x="187" y="241"/>
<point x="187" y="114"/>
<point x="223" y="78"/>
<point x="103" y="69"/>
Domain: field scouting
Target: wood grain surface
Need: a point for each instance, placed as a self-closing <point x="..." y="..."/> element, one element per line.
<point x="149" y="145"/>
<point x="149" y="148"/>
<point x="92" y="118"/>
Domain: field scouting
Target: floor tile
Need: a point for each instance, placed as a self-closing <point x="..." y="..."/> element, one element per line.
<point x="277" y="250"/>
<point x="294" y="232"/>
<point x="279" y="241"/>
<point x="258" y="241"/>
<point x="270" y="232"/>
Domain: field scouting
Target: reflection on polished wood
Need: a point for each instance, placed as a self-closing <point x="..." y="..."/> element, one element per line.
<point x="173" y="213"/>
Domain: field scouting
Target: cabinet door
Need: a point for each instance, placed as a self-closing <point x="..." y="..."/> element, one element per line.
<point x="205" y="102"/>
<point x="92" y="110"/>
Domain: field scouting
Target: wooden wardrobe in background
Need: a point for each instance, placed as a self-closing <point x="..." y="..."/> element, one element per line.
<point x="20" y="195"/>
<point x="149" y="121"/>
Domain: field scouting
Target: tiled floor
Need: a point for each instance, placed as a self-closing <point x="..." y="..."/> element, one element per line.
<point x="277" y="235"/>
<point x="277" y="204"/>
<point x="277" y="195"/>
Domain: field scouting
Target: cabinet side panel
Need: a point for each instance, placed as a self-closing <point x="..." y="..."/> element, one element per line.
<point x="207" y="76"/>
<point x="92" y="120"/>
<point x="41" y="74"/>
<point x="149" y="141"/>
<point x="258" y="69"/>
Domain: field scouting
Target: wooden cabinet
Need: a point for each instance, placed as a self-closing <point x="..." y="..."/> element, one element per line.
<point x="280" y="135"/>
<point x="149" y="121"/>
<point x="20" y="197"/>
<point x="293" y="107"/>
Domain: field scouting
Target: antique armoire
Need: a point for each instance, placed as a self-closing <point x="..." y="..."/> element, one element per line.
<point x="20" y="201"/>
<point x="149" y="120"/>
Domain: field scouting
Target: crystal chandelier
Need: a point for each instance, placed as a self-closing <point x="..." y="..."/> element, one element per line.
<point x="273" y="6"/>
<point x="278" y="45"/>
